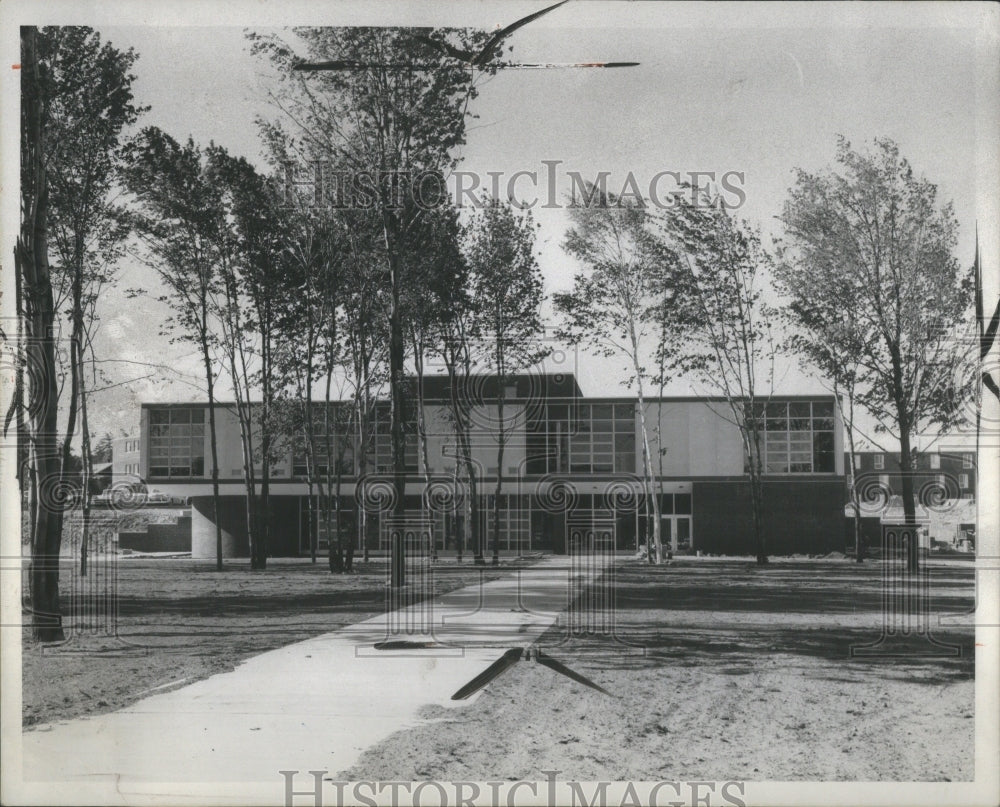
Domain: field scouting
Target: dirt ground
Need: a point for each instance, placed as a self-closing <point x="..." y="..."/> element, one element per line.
<point x="731" y="672"/>
<point x="180" y="620"/>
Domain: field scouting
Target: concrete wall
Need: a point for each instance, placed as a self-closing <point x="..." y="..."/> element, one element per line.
<point x="485" y="421"/>
<point x="232" y="516"/>
<point x="283" y="540"/>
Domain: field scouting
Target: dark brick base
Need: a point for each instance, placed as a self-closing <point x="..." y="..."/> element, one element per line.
<point x="159" y="537"/>
<point x="800" y="516"/>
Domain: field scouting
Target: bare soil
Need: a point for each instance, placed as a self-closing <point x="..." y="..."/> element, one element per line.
<point x="172" y="621"/>
<point x="724" y="670"/>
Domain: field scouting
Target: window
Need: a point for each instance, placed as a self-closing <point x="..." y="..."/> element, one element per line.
<point x="878" y="462"/>
<point x="798" y="437"/>
<point x="935" y="461"/>
<point x="380" y="444"/>
<point x="177" y="442"/>
<point x="883" y="480"/>
<point x="857" y="462"/>
<point x="966" y="460"/>
<point x="963" y="481"/>
<point x="601" y="438"/>
<point x="340" y="444"/>
<point x="582" y="438"/>
<point x="514" y="521"/>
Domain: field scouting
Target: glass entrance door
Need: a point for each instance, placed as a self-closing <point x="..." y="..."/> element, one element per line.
<point x="667" y="532"/>
<point x="682" y="535"/>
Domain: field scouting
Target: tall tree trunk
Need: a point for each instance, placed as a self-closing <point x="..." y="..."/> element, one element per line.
<point x="362" y="448"/>
<point x="647" y="465"/>
<point x="213" y="439"/>
<point x="88" y="466"/>
<point x="757" y="490"/>
<point x="859" y="543"/>
<point x="31" y="259"/>
<point x="264" y="317"/>
<point x="909" y="506"/>
<point x="501" y="440"/>
<point x="396" y="398"/>
<point x="265" y="443"/>
<point x="310" y="436"/>
<point x="457" y="532"/>
<point x="418" y="366"/>
<point x="464" y="452"/>
<point x="475" y="524"/>
<point x="343" y="564"/>
<point x="905" y="458"/>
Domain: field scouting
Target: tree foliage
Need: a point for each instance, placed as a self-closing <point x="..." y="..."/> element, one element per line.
<point x="76" y="99"/>
<point x="725" y="325"/>
<point x="507" y="290"/>
<point x="610" y="306"/>
<point x="177" y="215"/>
<point x="869" y="268"/>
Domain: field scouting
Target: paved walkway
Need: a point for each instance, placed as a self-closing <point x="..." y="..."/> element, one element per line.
<point x="313" y="705"/>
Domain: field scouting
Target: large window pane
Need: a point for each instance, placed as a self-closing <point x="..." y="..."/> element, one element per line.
<point x="823" y="455"/>
<point x="798" y="409"/>
<point x="176" y="447"/>
<point x="777" y="410"/>
<point x="624" y="412"/>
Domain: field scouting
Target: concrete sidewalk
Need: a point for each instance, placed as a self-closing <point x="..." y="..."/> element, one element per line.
<point x="311" y="706"/>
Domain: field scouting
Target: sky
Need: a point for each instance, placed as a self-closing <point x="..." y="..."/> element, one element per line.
<point x="758" y="90"/>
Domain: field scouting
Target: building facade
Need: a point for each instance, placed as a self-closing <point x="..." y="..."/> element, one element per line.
<point x="945" y="471"/>
<point x="945" y="484"/>
<point x="125" y="460"/>
<point x="570" y="462"/>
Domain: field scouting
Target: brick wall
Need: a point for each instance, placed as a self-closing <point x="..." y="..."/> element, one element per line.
<point x="801" y="516"/>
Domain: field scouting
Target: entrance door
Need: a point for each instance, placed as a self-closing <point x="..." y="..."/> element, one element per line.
<point x="557" y="529"/>
<point x="683" y="534"/>
<point x="625" y="533"/>
<point x="667" y="535"/>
